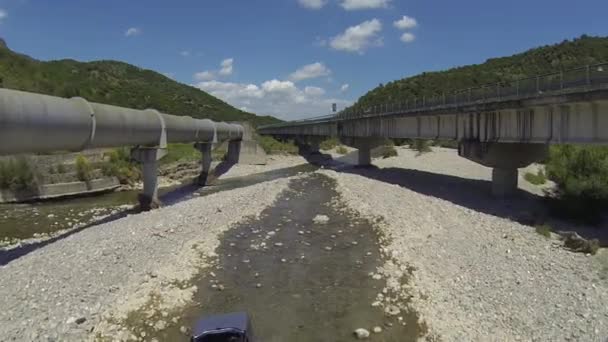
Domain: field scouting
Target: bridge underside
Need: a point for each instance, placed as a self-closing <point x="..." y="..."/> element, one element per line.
<point x="490" y="134"/>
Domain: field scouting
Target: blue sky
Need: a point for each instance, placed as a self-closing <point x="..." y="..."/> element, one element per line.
<point x="292" y="58"/>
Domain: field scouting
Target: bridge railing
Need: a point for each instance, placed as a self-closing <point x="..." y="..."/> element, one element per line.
<point x="586" y="77"/>
<point x="589" y="76"/>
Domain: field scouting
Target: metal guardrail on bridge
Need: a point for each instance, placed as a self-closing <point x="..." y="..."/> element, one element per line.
<point x="582" y="78"/>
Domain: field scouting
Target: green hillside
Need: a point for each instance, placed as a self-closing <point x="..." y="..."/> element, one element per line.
<point x="115" y="83"/>
<point x="565" y="55"/>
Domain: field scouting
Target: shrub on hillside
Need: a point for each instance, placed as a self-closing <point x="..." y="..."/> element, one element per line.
<point x="446" y="143"/>
<point x="83" y="168"/>
<point x="389" y="151"/>
<point x="421" y="145"/>
<point x="581" y="176"/>
<point x="271" y="145"/>
<point x="118" y="164"/>
<point x="329" y="144"/>
<point x="341" y="150"/>
<point x="60" y="169"/>
<point x="536" y="178"/>
<point x="17" y="174"/>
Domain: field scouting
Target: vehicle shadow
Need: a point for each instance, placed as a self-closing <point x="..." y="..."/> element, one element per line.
<point x="523" y="207"/>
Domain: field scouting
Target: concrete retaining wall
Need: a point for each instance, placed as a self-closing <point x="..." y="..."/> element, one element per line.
<point x="50" y="191"/>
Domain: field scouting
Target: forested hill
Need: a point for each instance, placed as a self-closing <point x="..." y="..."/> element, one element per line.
<point x="115" y="83"/>
<point x="565" y="55"/>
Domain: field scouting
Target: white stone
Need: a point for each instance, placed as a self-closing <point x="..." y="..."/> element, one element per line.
<point x="320" y="219"/>
<point x="362" y="334"/>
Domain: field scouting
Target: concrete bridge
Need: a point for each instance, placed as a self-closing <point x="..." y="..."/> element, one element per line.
<point x="505" y="126"/>
<point x="34" y="123"/>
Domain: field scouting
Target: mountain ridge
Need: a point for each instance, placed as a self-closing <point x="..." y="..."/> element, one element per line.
<point x="115" y="83"/>
<point x="540" y="60"/>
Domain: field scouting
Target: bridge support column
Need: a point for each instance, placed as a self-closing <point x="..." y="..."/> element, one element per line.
<point x="308" y="145"/>
<point x="206" y="156"/>
<point x="148" y="157"/>
<point x="364" y="157"/>
<point x="365" y="146"/>
<point x="504" y="159"/>
<point x="504" y="182"/>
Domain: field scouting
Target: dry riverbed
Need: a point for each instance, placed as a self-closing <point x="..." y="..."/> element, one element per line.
<point x="468" y="265"/>
<point x="478" y="274"/>
<point x="85" y="285"/>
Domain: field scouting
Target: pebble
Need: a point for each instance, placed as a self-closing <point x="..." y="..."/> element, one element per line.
<point x="361" y="334"/>
<point x="327" y="248"/>
<point x="278" y="244"/>
<point x="377" y="329"/>
<point x="321" y="219"/>
<point x="392" y="310"/>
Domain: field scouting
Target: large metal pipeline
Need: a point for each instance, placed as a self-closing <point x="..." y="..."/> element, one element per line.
<point x="35" y="123"/>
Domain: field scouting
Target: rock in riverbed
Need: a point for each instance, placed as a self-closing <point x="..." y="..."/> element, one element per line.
<point x="361" y="334"/>
<point x="320" y="219"/>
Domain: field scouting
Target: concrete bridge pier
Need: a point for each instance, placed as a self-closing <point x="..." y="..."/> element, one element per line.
<point x="148" y="157"/>
<point x="364" y="147"/>
<point x="504" y="159"/>
<point x="309" y="145"/>
<point x="206" y="157"/>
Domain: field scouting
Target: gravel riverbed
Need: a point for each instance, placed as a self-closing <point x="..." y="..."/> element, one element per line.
<point x="478" y="275"/>
<point x="84" y="285"/>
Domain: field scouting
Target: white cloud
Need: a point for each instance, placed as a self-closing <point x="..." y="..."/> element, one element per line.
<point x="204" y="76"/>
<point x="358" y="38"/>
<point x="314" y="91"/>
<point x="236" y="92"/>
<point x="185" y="53"/>
<point x="132" y="31"/>
<point x="351" y="5"/>
<point x="312" y="4"/>
<point x="408" y="37"/>
<point x="406" y="23"/>
<point x="274" y="97"/>
<point x="309" y="71"/>
<point x="3" y="14"/>
<point x="227" y="67"/>
<point x="344" y="87"/>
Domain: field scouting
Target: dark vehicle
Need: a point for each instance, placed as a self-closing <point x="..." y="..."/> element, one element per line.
<point x="233" y="327"/>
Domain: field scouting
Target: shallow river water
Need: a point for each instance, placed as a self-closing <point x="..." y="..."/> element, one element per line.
<point x="43" y="218"/>
<point x="298" y="280"/>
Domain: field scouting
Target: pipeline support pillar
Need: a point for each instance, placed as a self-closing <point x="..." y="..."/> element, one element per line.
<point x="148" y="157"/>
<point x="234" y="151"/>
<point x="205" y="149"/>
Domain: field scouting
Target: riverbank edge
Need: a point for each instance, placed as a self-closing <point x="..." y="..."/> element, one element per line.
<point x="167" y="289"/>
<point x="440" y="310"/>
